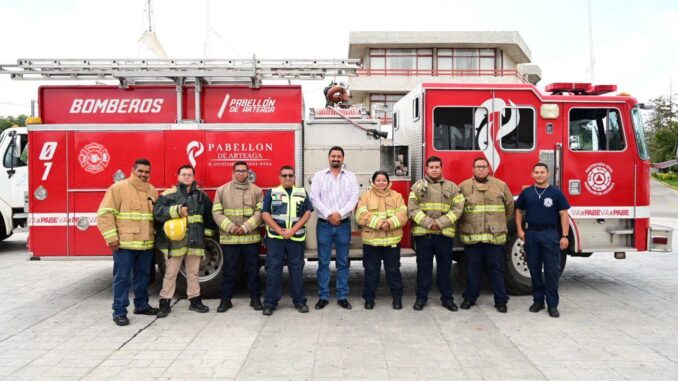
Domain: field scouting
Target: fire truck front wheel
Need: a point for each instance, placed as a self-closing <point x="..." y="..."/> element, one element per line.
<point x="210" y="273"/>
<point x="516" y="273"/>
<point x="3" y="230"/>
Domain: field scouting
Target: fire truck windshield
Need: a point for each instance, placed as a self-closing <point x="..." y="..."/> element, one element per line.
<point x="639" y="132"/>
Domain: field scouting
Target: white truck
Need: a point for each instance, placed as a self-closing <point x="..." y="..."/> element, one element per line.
<point x="13" y="180"/>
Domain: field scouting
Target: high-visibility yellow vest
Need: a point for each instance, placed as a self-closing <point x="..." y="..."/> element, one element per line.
<point x="287" y="210"/>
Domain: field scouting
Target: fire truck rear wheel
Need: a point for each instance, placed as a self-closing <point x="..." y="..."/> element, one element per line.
<point x="210" y="273"/>
<point x="516" y="273"/>
<point x="3" y="229"/>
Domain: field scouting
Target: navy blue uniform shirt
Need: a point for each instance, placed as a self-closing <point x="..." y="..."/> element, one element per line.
<point x="542" y="208"/>
<point x="267" y="203"/>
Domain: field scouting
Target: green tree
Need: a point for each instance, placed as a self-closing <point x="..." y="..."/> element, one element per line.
<point x="662" y="127"/>
<point x="9" y="121"/>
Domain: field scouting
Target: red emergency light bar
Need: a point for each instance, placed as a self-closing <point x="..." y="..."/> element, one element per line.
<point x="568" y="87"/>
<point x="560" y="88"/>
<point x="602" y="89"/>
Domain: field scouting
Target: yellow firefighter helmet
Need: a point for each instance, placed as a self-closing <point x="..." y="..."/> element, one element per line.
<point x="175" y="229"/>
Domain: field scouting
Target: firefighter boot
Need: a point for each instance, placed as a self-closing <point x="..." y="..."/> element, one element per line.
<point x="197" y="306"/>
<point x="165" y="308"/>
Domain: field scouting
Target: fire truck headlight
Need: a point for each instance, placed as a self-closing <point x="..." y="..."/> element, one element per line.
<point x="550" y="111"/>
<point x="83" y="223"/>
<point x="40" y="193"/>
<point x="118" y="176"/>
<point x="251" y="176"/>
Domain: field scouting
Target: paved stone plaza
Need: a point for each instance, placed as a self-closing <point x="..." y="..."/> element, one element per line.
<point x="619" y="321"/>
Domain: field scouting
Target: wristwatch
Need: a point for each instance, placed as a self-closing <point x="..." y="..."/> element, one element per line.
<point x="564" y="236"/>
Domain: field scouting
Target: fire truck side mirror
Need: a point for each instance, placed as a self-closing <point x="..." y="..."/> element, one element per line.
<point x="14" y="147"/>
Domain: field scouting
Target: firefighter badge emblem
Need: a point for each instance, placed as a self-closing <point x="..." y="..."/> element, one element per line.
<point x="94" y="158"/>
<point x="548" y="202"/>
<point x="599" y="179"/>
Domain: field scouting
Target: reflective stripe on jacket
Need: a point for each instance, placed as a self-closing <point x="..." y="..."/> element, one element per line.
<point x="488" y="206"/>
<point x="376" y="206"/>
<point x="284" y="215"/>
<point x="126" y="214"/>
<point x="439" y="201"/>
<point x="237" y="204"/>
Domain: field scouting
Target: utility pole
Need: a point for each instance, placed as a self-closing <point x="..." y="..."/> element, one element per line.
<point x="592" y="60"/>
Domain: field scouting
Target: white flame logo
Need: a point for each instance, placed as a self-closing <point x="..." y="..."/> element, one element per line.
<point x="488" y="145"/>
<point x="193" y="150"/>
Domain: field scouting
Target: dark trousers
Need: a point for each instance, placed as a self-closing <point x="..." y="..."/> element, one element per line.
<point x="278" y="251"/>
<point x="249" y="253"/>
<point x="130" y="267"/>
<point x="543" y="249"/>
<point x="487" y="258"/>
<point x="372" y="258"/>
<point x="440" y="247"/>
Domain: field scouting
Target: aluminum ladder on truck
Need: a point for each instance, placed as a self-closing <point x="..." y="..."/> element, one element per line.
<point x="180" y="72"/>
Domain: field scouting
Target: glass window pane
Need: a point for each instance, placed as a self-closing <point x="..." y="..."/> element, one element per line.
<point x="487" y="63"/>
<point x="466" y="52"/>
<point x="521" y="137"/>
<point x="425" y="63"/>
<point x="453" y="128"/>
<point x="377" y="51"/>
<point x="596" y="129"/>
<point x="444" y="63"/>
<point x="615" y="137"/>
<point x="639" y="131"/>
<point x="377" y="63"/>
<point x="444" y="52"/>
<point x="465" y="63"/>
<point x="398" y="62"/>
<point x="400" y="52"/>
<point x="487" y="52"/>
<point x="424" y="51"/>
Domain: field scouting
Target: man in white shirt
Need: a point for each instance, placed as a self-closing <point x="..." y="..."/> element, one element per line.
<point x="334" y="195"/>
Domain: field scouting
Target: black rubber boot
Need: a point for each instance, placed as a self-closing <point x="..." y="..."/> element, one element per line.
<point x="165" y="308"/>
<point x="197" y="306"/>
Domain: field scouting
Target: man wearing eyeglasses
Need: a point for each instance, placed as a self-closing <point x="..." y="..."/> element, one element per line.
<point x="286" y="211"/>
<point x="488" y="205"/>
<point x="183" y="200"/>
<point x="237" y="212"/>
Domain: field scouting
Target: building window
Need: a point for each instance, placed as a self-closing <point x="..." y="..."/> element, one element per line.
<point x="459" y="61"/>
<point x="596" y="129"/>
<point x="454" y="128"/>
<point x="400" y="61"/>
<point x="522" y="136"/>
<point x="415" y="108"/>
<point x="381" y="106"/>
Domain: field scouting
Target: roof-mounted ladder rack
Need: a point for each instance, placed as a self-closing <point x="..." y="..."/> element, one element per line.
<point x="180" y="72"/>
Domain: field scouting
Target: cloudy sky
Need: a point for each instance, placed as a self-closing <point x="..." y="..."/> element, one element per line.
<point x="635" y="42"/>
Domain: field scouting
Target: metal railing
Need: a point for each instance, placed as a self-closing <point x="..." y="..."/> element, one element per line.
<point x="440" y="72"/>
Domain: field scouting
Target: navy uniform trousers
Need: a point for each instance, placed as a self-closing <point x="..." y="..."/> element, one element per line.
<point x="543" y="249"/>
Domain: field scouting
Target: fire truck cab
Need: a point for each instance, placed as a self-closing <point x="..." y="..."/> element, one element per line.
<point x="13" y="180"/>
<point x="593" y="144"/>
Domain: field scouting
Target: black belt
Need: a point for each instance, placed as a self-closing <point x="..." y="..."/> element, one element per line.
<point x="345" y="220"/>
<point x="541" y="227"/>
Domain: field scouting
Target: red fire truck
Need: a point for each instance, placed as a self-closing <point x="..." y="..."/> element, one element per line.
<point x="206" y="113"/>
<point x="593" y="143"/>
<point x="213" y="113"/>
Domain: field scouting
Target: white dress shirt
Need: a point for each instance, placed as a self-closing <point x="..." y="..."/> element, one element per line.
<point x="331" y="193"/>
